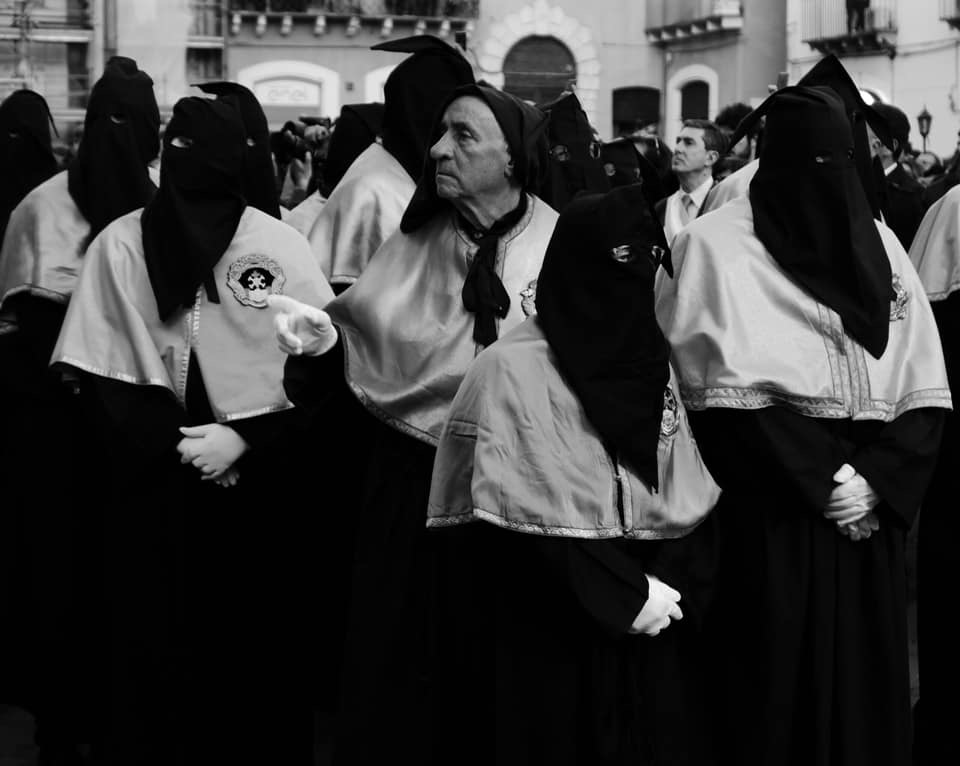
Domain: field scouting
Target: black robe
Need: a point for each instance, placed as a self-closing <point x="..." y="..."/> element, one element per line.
<point x="535" y="664"/>
<point x="209" y="589"/>
<point x="49" y="593"/>
<point x="938" y="529"/>
<point x="378" y="568"/>
<point x="811" y="626"/>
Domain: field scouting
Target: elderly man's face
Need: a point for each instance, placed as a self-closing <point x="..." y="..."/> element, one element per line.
<point x="472" y="156"/>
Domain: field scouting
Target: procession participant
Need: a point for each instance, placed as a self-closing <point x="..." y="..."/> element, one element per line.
<point x="49" y="230"/>
<point x="26" y="153"/>
<point x="368" y="202"/>
<point x="574" y="165"/>
<point x="568" y="439"/>
<point x="935" y="255"/>
<point x="358" y="126"/>
<point x="460" y="272"/>
<point x="168" y="332"/>
<point x="57" y="538"/>
<point x="624" y="165"/>
<point x="836" y="431"/>
<point x="259" y="188"/>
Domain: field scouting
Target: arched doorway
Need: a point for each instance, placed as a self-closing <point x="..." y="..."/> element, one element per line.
<point x="539" y="68"/>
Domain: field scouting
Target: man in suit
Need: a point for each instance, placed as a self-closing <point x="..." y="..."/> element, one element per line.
<point x="700" y="144"/>
<point x="902" y="201"/>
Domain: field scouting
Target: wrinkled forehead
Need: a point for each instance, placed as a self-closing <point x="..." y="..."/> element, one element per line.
<point x="474" y="113"/>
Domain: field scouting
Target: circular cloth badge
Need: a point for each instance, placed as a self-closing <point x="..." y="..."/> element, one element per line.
<point x="254" y="277"/>
<point x="670" y="421"/>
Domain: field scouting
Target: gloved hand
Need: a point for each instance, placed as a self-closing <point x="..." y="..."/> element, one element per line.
<point x="228" y="478"/>
<point x="851" y="501"/>
<point x="301" y="329"/>
<point x="862" y="529"/>
<point x="661" y="607"/>
<point x="211" y="448"/>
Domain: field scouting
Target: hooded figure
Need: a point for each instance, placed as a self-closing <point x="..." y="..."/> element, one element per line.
<point x="259" y="186"/>
<point x="121" y="138"/>
<point x="800" y="333"/>
<point x="523" y="129"/>
<point x="625" y="165"/>
<point x="358" y="126"/>
<point x="414" y="93"/>
<point x="460" y="272"/>
<point x="26" y="154"/>
<point x="373" y="193"/>
<point x="567" y="439"/>
<point x="170" y="338"/>
<point x="575" y="165"/>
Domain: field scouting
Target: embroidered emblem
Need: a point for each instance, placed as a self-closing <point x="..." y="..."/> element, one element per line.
<point x="670" y="421"/>
<point x="898" y="306"/>
<point x="529" y="299"/>
<point x="253" y="277"/>
<point x="622" y="253"/>
<point x="610" y="169"/>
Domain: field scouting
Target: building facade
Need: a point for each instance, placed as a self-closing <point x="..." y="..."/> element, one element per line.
<point x="631" y="62"/>
<point x="905" y="52"/>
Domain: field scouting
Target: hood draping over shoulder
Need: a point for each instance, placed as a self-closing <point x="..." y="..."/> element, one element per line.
<point x="413" y="95"/>
<point x="595" y="304"/>
<point x="259" y="182"/>
<point x="192" y="220"/>
<point x="26" y="154"/>
<point x="109" y="176"/>
<point x="819" y="226"/>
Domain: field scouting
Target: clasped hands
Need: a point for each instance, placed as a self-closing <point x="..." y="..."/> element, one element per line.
<point x="851" y="503"/>
<point x="662" y="606"/>
<point x="213" y="449"/>
<point x="301" y="329"/>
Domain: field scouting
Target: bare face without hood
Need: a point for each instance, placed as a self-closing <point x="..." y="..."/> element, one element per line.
<point x="474" y="167"/>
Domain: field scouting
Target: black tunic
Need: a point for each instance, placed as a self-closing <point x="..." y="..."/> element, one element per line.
<point x="379" y="568"/>
<point x="939" y="527"/>
<point x="535" y="662"/>
<point x="206" y="587"/>
<point x="812" y="626"/>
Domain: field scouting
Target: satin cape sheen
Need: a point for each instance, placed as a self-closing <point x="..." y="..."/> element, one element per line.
<point x="935" y="251"/>
<point x="112" y="328"/>
<point x="406" y="335"/>
<point x="518" y="451"/>
<point x="744" y="335"/>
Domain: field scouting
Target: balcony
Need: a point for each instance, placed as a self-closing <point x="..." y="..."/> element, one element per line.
<point x="206" y="25"/>
<point x="950" y="12"/>
<point x="673" y="21"/>
<point x="53" y="21"/>
<point x="827" y="27"/>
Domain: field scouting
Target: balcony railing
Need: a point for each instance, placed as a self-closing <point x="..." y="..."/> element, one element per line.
<point x="48" y="22"/>
<point x="459" y="9"/>
<point x="950" y="12"/>
<point x="671" y="21"/>
<point x="829" y="27"/>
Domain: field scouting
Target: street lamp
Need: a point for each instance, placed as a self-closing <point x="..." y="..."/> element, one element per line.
<point x="923" y="123"/>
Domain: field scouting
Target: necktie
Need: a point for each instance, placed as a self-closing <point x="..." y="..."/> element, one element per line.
<point x="688" y="209"/>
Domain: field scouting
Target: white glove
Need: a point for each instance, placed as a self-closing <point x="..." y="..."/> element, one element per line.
<point x="211" y="448"/>
<point x="661" y="607"/>
<point x="301" y="329"/>
<point x="852" y="499"/>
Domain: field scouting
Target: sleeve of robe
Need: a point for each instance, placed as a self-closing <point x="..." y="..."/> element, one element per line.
<point x="609" y="583"/>
<point x="315" y="383"/>
<point x="783" y="453"/>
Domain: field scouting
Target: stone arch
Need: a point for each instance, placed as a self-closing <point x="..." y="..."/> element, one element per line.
<point x="675" y="84"/>
<point x="327" y="79"/>
<point x="540" y="19"/>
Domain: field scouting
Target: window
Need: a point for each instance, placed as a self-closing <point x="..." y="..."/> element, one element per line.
<point x="539" y="69"/>
<point x="633" y="108"/>
<point x="204" y="64"/>
<point x="695" y="101"/>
